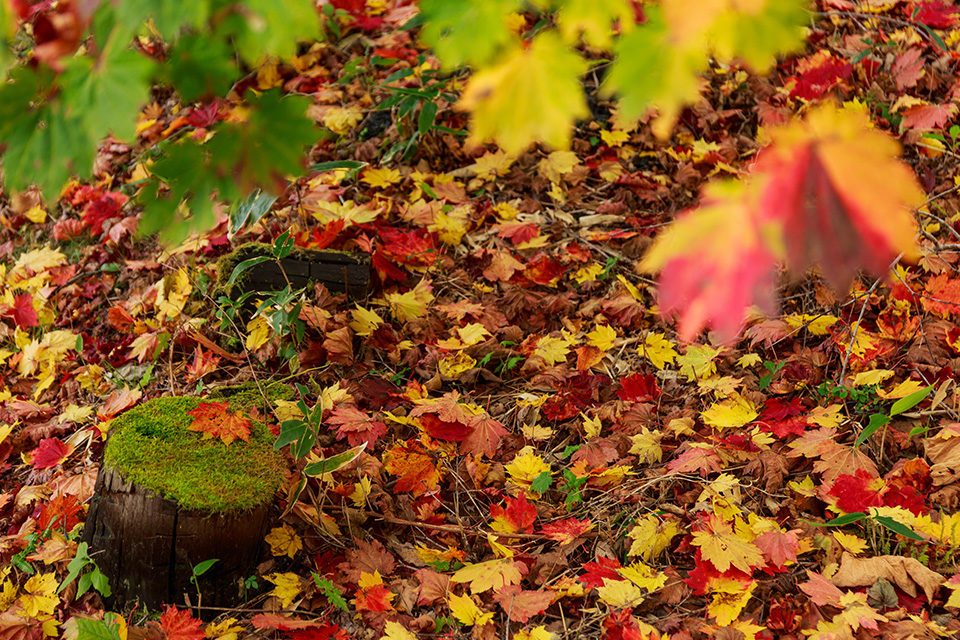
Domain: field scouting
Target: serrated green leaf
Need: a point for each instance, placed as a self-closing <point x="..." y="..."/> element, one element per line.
<point x="533" y="95"/>
<point x="270" y="145"/>
<point x="104" y="96"/>
<point x="274" y="27"/>
<point x="200" y="66"/>
<point x="330" y="591"/>
<point x="90" y="629"/>
<point x="168" y="18"/>
<point x="593" y="19"/>
<point x="467" y="32"/>
<point x="650" y="70"/>
<point x="906" y="403"/>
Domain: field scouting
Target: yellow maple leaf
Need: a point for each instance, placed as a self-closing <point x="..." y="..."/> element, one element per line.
<point x="33" y="262"/>
<point x="602" y="337"/>
<point x="729" y="598"/>
<point x="652" y="536"/>
<point x="735" y="411"/>
<point x="258" y="332"/>
<point x="588" y="273"/>
<point x="646" y="446"/>
<point x="749" y="360"/>
<point x="643" y="576"/>
<point x="902" y="390"/>
<point x="36" y="214"/>
<point x="533" y="95"/>
<point x="396" y="631"/>
<point x="558" y="164"/>
<point x="381" y="177"/>
<point x="286" y="587"/>
<point x="364" y="321"/>
<point x="659" y="350"/>
<point x="450" y="226"/>
<point x="224" y="630"/>
<point x="697" y="362"/>
<point x="525" y="467"/>
<point x="411" y="304"/>
<point x="539" y="632"/>
<point x="874" y="376"/>
<point x="284" y="541"/>
<point x="620" y="594"/>
<point x="594" y="20"/>
<point x="818" y="325"/>
<point x="361" y="490"/>
<point x="491" y="574"/>
<point x="830" y="417"/>
<point x="172" y="294"/>
<point x="552" y="350"/>
<point x="341" y="120"/>
<point x="723" y="547"/>
<point x="854" y="544"/>
<point x="466" y="611"/>
<point x="40" y="595"/>
<point x="591" y="426"/>
<point x="454" y="366"/>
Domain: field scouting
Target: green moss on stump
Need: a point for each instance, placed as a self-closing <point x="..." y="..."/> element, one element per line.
<point x="150" y="446"/>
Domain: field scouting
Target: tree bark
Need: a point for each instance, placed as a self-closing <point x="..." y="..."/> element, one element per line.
<point x="147" y="546"/>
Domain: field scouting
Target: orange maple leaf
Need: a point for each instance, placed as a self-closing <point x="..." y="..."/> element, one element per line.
<point x="215" y="420"/>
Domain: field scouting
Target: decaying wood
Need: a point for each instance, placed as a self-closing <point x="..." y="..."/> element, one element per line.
<point x="147" y="546"/>
<point x="338" y="271"/>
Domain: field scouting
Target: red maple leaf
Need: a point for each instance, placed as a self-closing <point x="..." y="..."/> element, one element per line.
<point x="818" y="74"/>
<point x="638" y="387"/>
<point x="180" y="625"/>
<point x="811" y="170"/>
<point x="567" y="530"/>
<point x="621" y="625"/>
<point x="783" y="417"/>
<point x="595" y="572"/>
<point x="517" y="517"/>
<point x="23" y="312"/>
<point x="521" y="604"/>
<point x="356" y="426"/>
<point x="937" y="14"/>
<point x="49" y="453"/>
<point x="62" y="512"/>
<point x="215" y="420"/>
<point x="854" y="493"/>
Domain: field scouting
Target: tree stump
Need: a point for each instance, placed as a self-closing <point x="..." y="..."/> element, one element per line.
<point x="168" y="499"/>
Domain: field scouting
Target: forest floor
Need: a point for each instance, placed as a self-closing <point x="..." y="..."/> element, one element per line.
<point x="544" y="459"/>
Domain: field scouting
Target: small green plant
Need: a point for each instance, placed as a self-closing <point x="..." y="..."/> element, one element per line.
<point x="106" y="629"/>
<point x="83" y="567"/>
<point x="330" y="591"/>
<point x="879" y="420"/>
<point x="301" y="434"/>
<point x="198" y="570"/>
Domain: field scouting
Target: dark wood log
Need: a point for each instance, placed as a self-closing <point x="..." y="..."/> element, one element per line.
<point x="338" y="271"/>
<point x="147" y="546"/>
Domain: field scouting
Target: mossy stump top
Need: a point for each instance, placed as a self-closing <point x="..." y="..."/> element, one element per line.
<point x="152" y="447"/>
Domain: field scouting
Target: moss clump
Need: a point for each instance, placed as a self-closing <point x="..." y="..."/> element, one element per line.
<point x="151" y="447"/>
<point x="249" y="395"/>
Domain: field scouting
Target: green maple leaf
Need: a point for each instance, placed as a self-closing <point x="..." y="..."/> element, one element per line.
<point x="168" y="18"/>
<point x="104" y="96"/>
<point x="651" y="71"/>
<point x="270" y="145"/>
<point x="758" y="36"/>
<point x="467" y="32"/>
<point x="274" y="27"/>
<point x="534" y="95"/>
